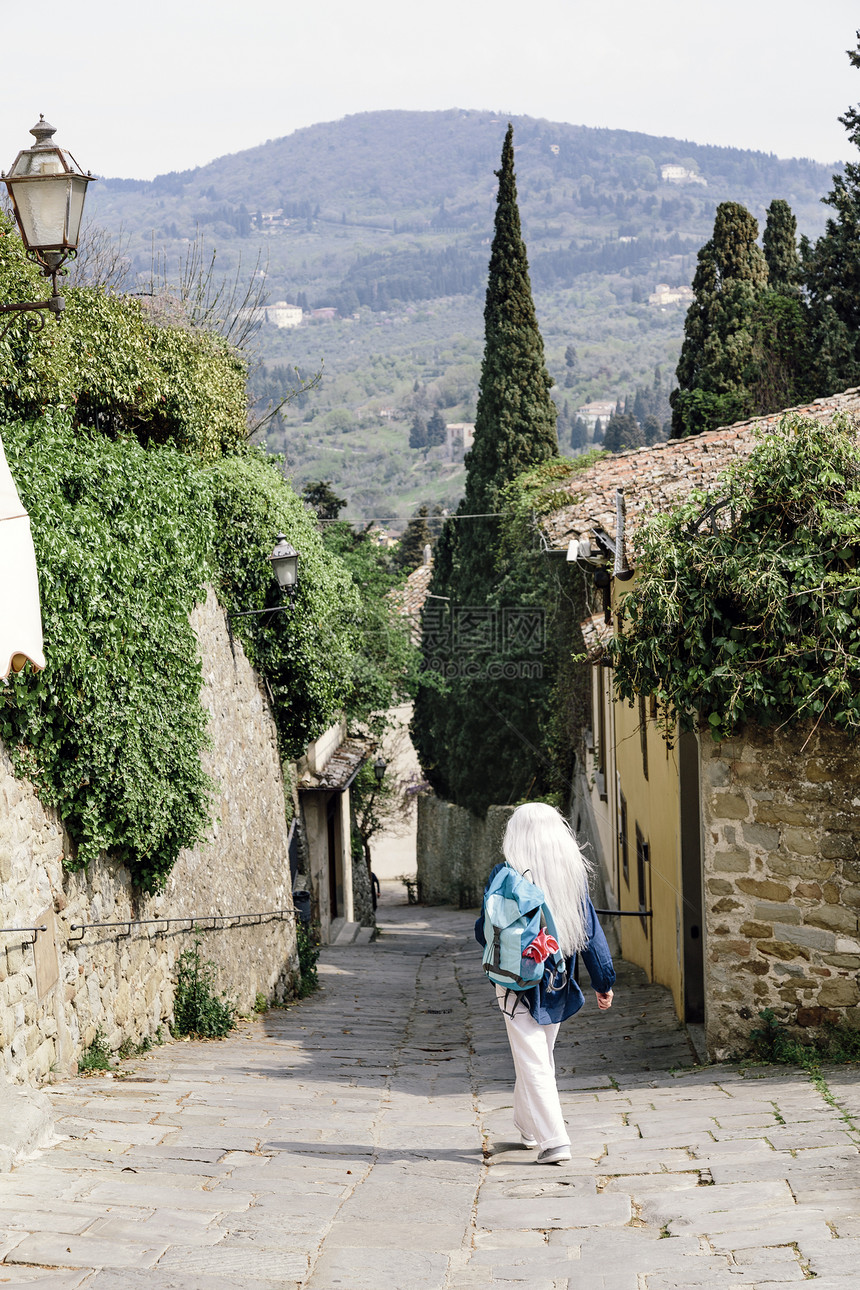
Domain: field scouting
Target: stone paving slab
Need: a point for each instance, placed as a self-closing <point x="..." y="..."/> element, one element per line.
<point x="340" y="1144"/>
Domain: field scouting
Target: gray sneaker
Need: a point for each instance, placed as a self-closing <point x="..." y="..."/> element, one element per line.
<point x="553" y="1156"/>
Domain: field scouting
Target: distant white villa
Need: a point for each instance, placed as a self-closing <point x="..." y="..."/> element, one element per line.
<point x="280" y="314"/>
<point x="675" y="174"/>
<point x="600" y="410"/>
<point x="664" y="295"/>
<point x="459" y="437"/>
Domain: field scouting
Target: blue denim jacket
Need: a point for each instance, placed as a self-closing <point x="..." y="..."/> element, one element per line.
<point x="551" y="1006"/>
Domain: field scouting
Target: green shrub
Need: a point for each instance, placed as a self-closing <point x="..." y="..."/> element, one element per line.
<point x="97" y="1056"/>
<point x="307" y="944"/>
<point x="772" y="1042"/>
<point x="305" y="652"/>
<point x="111" y="733"/>
<point x="197" y="1009"/>
<point x="760" y="620"/>
<point x="119" y="371"/>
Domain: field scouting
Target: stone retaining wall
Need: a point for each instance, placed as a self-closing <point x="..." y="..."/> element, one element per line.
<point x="781" y="827"/>
<point x="56" y="993"/>
<point x="457" y="850"/>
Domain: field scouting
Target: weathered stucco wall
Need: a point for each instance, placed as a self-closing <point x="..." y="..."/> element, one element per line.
<point x="457" y="850"/>
<point x="124" y="983"/>
<point x="781" y="826"/>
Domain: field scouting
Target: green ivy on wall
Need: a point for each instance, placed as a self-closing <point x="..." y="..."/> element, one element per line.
<point x="111" y="732"/>
<point x="306" y="653"/>
<point x="114" y="369"/>
<point x="759" y="621"/>
<point x="126" y="536"/>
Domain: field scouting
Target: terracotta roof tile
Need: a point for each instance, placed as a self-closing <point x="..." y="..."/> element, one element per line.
<point x="664" y="475"/>
<point x="411" y="596"/>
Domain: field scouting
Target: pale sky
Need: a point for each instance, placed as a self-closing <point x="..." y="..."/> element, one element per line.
<point x="137" y="90"/>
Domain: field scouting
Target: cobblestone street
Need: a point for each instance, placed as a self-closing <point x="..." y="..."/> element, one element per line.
<point x="363" y="1139"/>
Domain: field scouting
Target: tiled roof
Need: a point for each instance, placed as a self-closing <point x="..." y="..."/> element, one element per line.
<point x="661" y="477"/>
<point x="411" y="596"/>
<point x="339" y="771"/>
<point x="596" y="632"/>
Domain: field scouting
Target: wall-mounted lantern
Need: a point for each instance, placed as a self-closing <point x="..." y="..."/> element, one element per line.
<point x="379" y="768"/>
<point x="285" y="562"/>
<point x="47" y="188"/>
<point x="605" y="557"/>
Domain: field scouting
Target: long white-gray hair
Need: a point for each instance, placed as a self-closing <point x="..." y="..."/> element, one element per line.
<point x="539" y="844"/>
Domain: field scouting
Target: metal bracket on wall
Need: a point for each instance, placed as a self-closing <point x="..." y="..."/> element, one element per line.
<point x="627" y="913"/>
<point x="217" y="922"/>
<point x="11" y="931"/>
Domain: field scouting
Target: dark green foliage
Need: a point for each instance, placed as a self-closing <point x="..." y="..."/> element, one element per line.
<point x="759" y="622"/>
<point x="308" y="948"/>
<point x="112" y="731"/>
<point x="323" y="499"/>
<point x="779" y="241"/>
<point x="515" y="420"/>
<point x="781" y="370"/>
<point x="478" y="740"/>
<point x="436" y="430"/>
<point x="309" y="653"/>
<point x="117" y="370"/>
<point x="383" y="670"/>
<point x="418" y="433"/>
<point x="717" y="353"/>
<point x="773" y="1042"/>
<point x="832" y="271"/>
<point x="197" y="1008"/>
<point x="96" y="1057"/>
<point x="622" y="432"/>
<point x="500" y="731"/>
<point x="410" y="552"/>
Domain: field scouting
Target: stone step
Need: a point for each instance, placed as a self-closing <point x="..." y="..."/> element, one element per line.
<point x="345" y="934"/>
<point x="26" y="1123"/>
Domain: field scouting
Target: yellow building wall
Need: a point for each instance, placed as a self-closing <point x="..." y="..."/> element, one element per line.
<point x="652" y="804"/>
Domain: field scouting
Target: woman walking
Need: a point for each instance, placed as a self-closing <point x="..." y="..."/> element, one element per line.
<point x="539" y="845"/>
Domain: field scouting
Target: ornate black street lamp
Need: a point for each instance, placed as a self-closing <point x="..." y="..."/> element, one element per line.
<point x="379" y="768"/>
<point x="285" y="565"/>
<point x="47" y="188"/>
<point x="285" y="562"/>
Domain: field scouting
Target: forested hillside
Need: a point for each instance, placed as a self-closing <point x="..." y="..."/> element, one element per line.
<point x="386" y="217"/>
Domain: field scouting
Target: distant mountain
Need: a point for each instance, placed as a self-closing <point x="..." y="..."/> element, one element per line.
<point x="387" y="216"/>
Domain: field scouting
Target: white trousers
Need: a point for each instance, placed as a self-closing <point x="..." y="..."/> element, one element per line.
<point x="537" y="1109"/>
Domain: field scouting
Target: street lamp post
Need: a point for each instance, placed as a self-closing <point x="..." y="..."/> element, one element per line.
<point x="48" y="189"/>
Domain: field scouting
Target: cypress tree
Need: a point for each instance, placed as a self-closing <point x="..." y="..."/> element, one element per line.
<point x="480" y="725"/>
<point x="780" y="248"/>
<point x="410" y="552"/>
<point x="717" y="352"/>
<point x="780" y="374"/>
<point x="832" y="272"/>
<point x="515" y="418"/>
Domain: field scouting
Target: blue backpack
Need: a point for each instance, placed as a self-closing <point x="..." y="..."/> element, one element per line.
<point x="515" y="911"/>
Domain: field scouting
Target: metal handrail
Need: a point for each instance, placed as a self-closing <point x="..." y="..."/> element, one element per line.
<point x="191" y="919"/>
<point x="627" y="913"/>
<point x="10" y="931"/>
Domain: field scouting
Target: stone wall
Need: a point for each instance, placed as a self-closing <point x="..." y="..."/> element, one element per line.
<point x="457" y="850"/>
<point x="781" y="830"/>
<point x="56" y="993"/>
